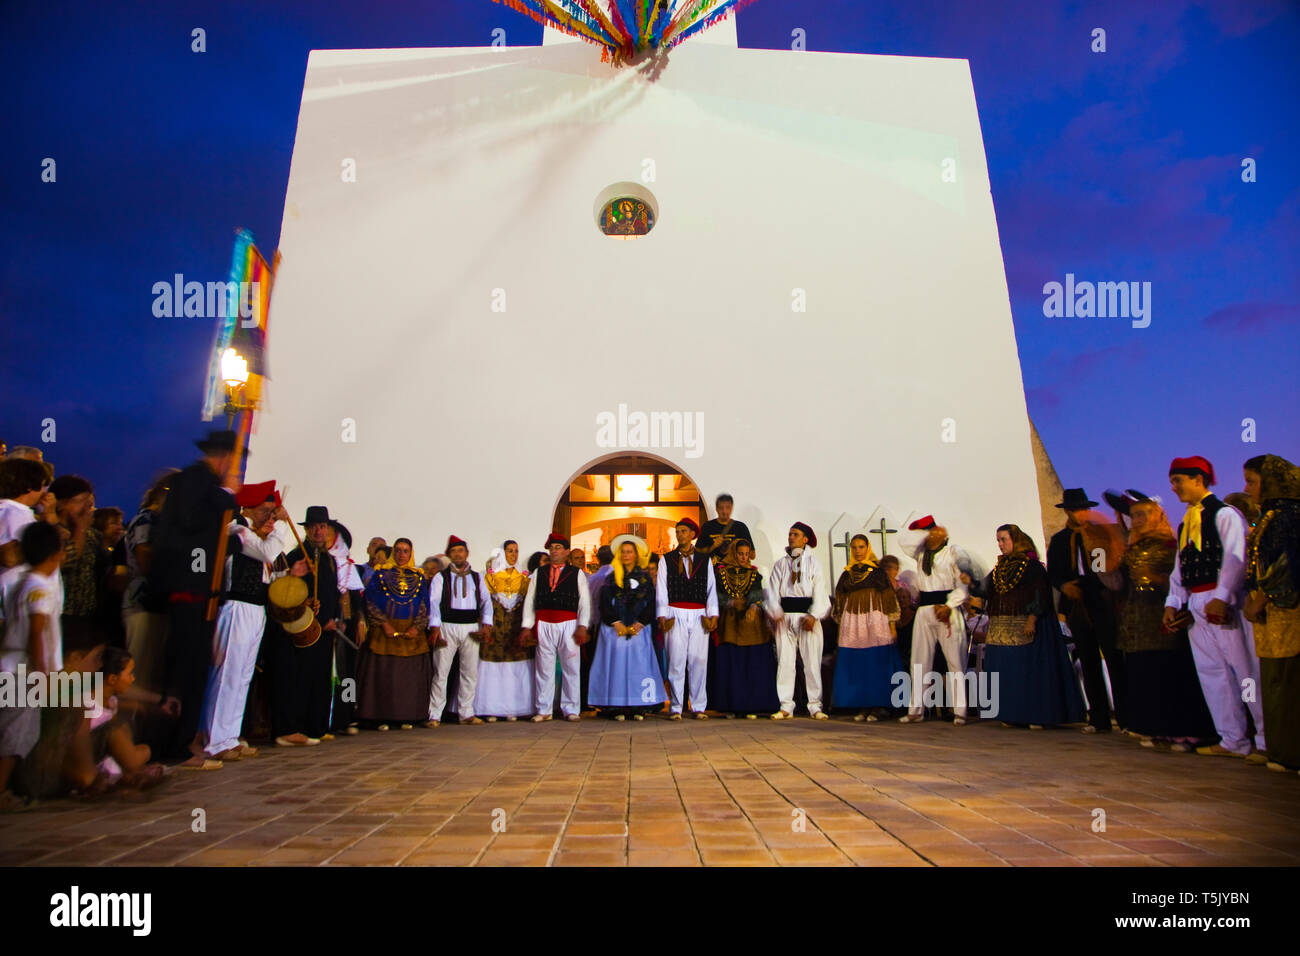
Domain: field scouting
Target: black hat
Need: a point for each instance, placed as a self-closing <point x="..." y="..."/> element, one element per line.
<point x="1123" y="502"/>
<point x="315" y="515"/>
<point x="319" y="513"/>
<point x="1076" y="499"/>
<point x="218" y="441"/>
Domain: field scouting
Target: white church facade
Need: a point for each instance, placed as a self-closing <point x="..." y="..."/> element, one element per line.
<point x="815" y="317"/>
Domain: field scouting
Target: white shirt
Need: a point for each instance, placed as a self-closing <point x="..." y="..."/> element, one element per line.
<point x="1232" y="570"/>
<point x="14" y="516"/>
<point x="24" y="595"/>
<point x="690" y="562"/>
<point x="349" y="579"/>
<point x="462" y="597"/>
<point x="945" y="574"/>
<point x="811" y="583"/>
<point x="584" y="599"/>
<point x="267" y="550"/>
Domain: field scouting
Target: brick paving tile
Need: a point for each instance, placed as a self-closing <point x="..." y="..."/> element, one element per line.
<point x="725" y="793"/>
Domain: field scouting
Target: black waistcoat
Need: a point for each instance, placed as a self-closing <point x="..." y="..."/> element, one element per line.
<point x="565" y="595"/>
<point x="1200" y="567"/>
<point x="683" y="589"/>
<point x="245" y="578"/>
<point x="458" y="615"/>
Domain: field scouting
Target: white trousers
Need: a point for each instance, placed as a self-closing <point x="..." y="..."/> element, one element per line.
<point x="553" y="639"/>
<point x="458" y="638"/>
<point x="687" y="648"/>
<point x="927" y="631"/>
<point x="792" y="638"/>
<point x="235" y="642"/>
<point x="1225" y="660"/>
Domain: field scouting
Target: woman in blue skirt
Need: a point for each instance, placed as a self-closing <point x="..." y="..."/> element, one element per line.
<point x="866" y="610"/>
<point x="625" y="677"/>
<point x="1024" y="649"/>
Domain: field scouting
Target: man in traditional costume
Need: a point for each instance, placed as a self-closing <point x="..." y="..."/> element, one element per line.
<point x="505" y="665"/>
<point x="394" y="668"/>
<point x="743" y="664"/>
<point x="460" y="615"/>
<point x="1209" y="581"/>
<point x="556" y="610"/>
<point x="258" y="542"/>
<point x="797" y="600"/>
<point x="718" y="534"/>
<point x="1024" y="647"/>
<point x="186" y="538"/>
<point x="1081" y="559"/>
<point x="938" y="620"/>
<point x="1274" y="606"/>
<point x="687" y="607"/>
<point x="301" y="676"/>
<point x="625" y="673"/>
<point x="866" y="611"/>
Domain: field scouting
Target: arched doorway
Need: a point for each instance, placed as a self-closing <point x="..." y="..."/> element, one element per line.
<point x="626" y="494"/>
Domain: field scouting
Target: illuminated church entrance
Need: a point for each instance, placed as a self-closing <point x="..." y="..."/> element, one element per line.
<point x="627" y="494"/>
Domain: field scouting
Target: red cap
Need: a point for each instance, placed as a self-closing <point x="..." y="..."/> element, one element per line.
<point x="453" y="541"/>
<point x="250" y="496"/>
<point x="808" y="532"/>
<point x="690" y="524"/>
<point x="922" y="524"/>
<point x="556" y="538"/>
<point x="1192" y="466"/>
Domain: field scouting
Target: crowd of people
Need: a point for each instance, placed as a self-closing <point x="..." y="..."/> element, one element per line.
<point x="1186" y="639"/>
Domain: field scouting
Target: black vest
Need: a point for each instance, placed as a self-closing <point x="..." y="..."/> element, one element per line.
<point x="245" y="578"/>
<point x="458" y="615"/>
<point x="1201" y="567"/>
<point x="565" y="595"/>
<point x="684" y="590"/>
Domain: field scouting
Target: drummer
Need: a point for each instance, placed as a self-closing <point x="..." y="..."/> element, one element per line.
<point x="301" y="688"/>
<point x="258" y="541"/>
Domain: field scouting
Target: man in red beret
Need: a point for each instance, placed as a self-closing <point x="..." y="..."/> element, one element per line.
<point x="460" y="615"/>
<point x="258" y="540"/>
<point x="686" y="602"/>
<point x="558" y="606"/>
<point x="797" y="600"/>
<point x="938" y="617"/>
<point x="1209" y="580"/>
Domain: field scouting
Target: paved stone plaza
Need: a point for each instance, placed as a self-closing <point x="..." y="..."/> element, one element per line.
<point x="719" y="792"/>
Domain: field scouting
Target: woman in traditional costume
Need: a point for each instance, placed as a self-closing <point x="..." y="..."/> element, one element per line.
<point x="744" y="656"/>
<point x="1273" y="604"/>
<point x="394" y="668"/>
<point x="1164" y="704"/>
<point x="1024" y="648"/>
<point x="625" y="676"/>
<point x="866" y="610"/>
<point x="505" y="666"/>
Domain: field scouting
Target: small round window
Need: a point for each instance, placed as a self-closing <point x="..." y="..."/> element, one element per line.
<point x="626" y="210"/>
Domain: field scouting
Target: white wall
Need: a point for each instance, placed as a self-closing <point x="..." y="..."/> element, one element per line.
<point x="477" y="170"/>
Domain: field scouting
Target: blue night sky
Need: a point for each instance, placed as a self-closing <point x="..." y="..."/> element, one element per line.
<point x="1117" y="166"/>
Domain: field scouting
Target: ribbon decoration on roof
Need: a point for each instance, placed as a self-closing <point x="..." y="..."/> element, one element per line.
<point x="624" y="29"/>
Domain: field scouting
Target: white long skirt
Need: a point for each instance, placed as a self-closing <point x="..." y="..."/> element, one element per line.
<point x="505" y="689"/>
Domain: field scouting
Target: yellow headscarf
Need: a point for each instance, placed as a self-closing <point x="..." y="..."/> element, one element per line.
<point x="410" y="564"/>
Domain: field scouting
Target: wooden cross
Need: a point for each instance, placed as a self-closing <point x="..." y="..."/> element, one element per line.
<point x="847" y="539"/>
<point x="883" y="531"/>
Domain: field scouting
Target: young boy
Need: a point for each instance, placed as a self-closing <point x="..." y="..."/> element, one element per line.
<point x="113" y="747"/>
<point x="32" y="595"/>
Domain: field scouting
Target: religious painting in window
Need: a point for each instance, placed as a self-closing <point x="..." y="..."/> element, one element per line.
<point x="626" y="216"/>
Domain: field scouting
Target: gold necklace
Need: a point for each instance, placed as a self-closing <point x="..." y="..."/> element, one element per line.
<point x="733" y="583"/>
